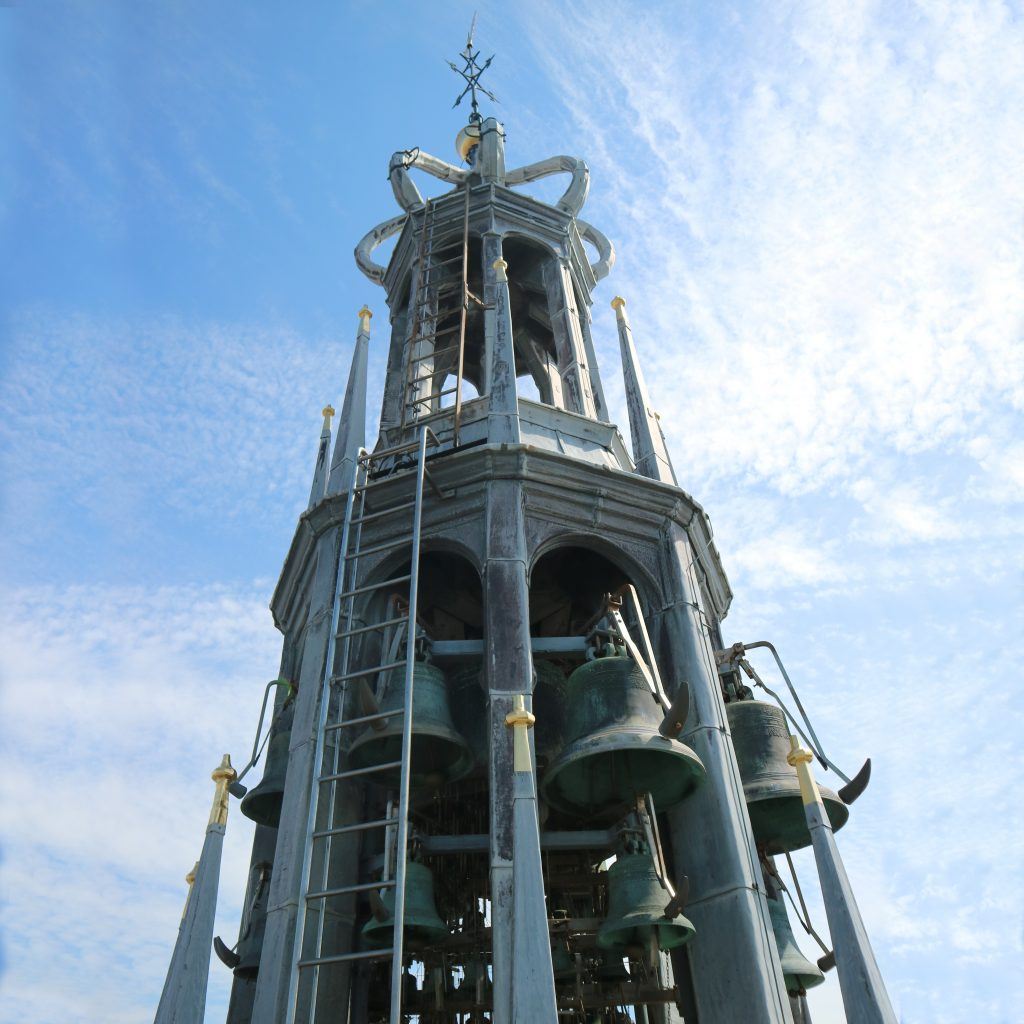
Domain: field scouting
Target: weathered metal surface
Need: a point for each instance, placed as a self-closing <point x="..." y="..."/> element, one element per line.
<point x="770" y="785"/>
<point x="440" y="753"/>
<point x="865" y="999"/>
<point x="797" y="971"/>
<point x="423" y="926"/>
<point x="636" y="909"/>
<point x="614" y="750"/>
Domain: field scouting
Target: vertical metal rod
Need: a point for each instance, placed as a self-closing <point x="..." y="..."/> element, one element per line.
<point x="462" y="317"/>
<point x="318" y="754"/>
<point x="403" y="786"/>
<point x="352" y="568"/>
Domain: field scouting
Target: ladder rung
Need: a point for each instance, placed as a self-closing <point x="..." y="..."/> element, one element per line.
<point x="430" y="398"/>
<point x="384" y="512"/>
<point x="373" y="670"/>
<point x="435" y="354"/>
<point x="364" y="719"/>
<point x="344" y="890"/>
<point x="436" y="334"/>
<point x="444" y="263"/>
<point x="377" y="547"/>
<point x="376" y="625"/>
<point x="340" y="958"/>
<point x="374" y="586"/>
<point x="420" y="377"/>
<point x="362" y="826"/>
<point x="351" y="773"/>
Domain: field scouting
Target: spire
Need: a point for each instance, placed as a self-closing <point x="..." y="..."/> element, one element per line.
<point x="183" y="1000"/>
<point x="352" y="429"/>
<point x="316" y="492"/>
<point x="649" y="450"/>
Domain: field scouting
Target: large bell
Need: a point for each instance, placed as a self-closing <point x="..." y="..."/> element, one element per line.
<point x="798" y="972"/>
<point x="423" y="926"/>
<point x="636" y="908"/>
<point x="614" y="748"/>
<point x="263" y="802"/>
<point x="439" y="752"/>
<point x="770" y="784"/>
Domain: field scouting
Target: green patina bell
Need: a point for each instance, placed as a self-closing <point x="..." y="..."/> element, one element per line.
<point x="469" y="709"/>
<point x="263" y="802"/>
<point x="614" y="748"/>
<point x="439" y="752"/>
<point x="423" y="926"/>
<point x="563" y="963"/>
<point x="549" y="706"/>
<point x="770" y="784"/>
<point x="798" y="972"/>
<point x="636" y="908"/>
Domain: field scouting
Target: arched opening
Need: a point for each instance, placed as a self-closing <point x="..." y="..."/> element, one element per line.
<point x="536" y="357"/>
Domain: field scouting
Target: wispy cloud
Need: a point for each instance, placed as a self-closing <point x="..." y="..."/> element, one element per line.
<point x="117" y="703"/>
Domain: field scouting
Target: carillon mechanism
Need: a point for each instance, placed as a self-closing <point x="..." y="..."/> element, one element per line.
<point x="516" y="777"/>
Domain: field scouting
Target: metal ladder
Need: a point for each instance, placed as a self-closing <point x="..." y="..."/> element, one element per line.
<point x="347" y="591"/>
<point x="422" y="343"/>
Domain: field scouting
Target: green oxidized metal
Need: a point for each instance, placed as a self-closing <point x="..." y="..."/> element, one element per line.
<point x="798" y="972"/>
<point x="439" y="752"/>
<point x="636" y="908"/>
<point x="614" y="748"/>
<point x="423" y="926"/>
<point x="469" y="708"/>
<point x="770" y="784"/>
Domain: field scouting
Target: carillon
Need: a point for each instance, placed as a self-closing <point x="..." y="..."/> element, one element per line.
<point x="514" y="774"/>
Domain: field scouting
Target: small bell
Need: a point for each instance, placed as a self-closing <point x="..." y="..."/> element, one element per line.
<point x="798" y="972"/>
<point x="636" y="908"/>
<point x="423" y="926"/>
<point x="263" y="802"/>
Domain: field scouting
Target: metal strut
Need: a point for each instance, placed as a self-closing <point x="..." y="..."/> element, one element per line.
<point x="328" y="769"/>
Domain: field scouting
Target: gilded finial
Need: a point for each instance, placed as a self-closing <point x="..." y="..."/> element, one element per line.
<point x="618" y="304"/>
<point x="364" y="319"/>
<point x="327" y="413"/>
<point x="502" y="270"/>
<point x="801" y="760"/>
<point x="223" y="775"/>
<point x="519" y="720"/>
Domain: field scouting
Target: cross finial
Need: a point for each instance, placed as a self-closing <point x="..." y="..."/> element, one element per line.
<point x="471" y="72"/>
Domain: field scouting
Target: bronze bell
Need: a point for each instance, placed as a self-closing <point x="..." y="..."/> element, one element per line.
<point x="770" y="784"/>
<point x="250" y="943"/>
<point x="439" y="752"/>
<point x="798" y="972"/>
<point x="423" y="926"/>
<point x="636" y="908"/>
<point x="615" y="750"/>
<point x="263" y="802"/>
<point x="563" y="963"/>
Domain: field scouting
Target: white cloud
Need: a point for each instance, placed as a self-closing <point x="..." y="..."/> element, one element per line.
<point x="117" y="703"/>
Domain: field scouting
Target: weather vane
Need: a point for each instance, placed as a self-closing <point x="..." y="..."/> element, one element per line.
<point x="471" y="73"/>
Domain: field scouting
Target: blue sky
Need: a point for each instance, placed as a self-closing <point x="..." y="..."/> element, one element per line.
<point x="818" y="213"/>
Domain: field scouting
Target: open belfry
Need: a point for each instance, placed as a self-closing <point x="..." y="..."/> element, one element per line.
<point x="513" y="772"/>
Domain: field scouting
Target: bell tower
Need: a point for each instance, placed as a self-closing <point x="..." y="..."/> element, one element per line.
<point x="501" y="781"/>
